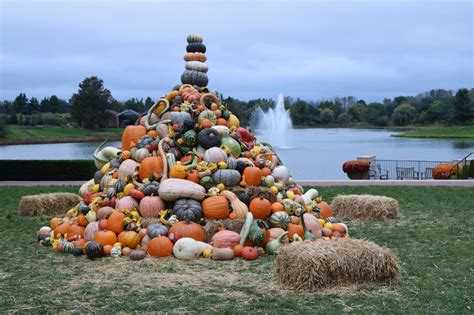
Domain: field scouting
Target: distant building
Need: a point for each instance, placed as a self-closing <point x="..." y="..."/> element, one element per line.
<point x="122" y="119"/>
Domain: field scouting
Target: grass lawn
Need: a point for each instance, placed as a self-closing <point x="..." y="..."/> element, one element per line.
<point x="441" y="132"/>
<point x="51" y="134"/>
<point x="433" y="238"/>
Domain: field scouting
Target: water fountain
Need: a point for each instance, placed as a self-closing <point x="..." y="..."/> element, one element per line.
<point x="274" y="124"/>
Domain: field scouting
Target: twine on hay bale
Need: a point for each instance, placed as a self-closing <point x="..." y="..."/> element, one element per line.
<point x="345" y="261"/>
<point x="212" y="226"/>
<point x="48" y="204"/>
<point x="367" y="207"/>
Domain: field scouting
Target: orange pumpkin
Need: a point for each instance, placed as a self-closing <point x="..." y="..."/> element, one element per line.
<point x="295" y="229"/>
<point x="193" y="176"/>
<point x="129" y="239"/>
<point x="252" y="176"/>
<point x="277" y="206"/>
<point x="126" y="155"/>
<point x="215" y="207"/>
<point x="206" y="123"/>
<point x="222" y="122"/>
<point x="82" y="220"/>
<point x="106" y="238"/>
<point x="160" y="246"/>
<point x="115" y="222"/>
<point x="261" y="208"/>
<point x="152" y="165"/>
<point x="238" y="250"/>
<point x="191" y="229"/>
<point x="62" y="229"/>
<point x="76" y="230"/>
<point x="107" y="249"/>
<point x="79" y="243"/>
<point x="132" y="134"/>
<point x="325" y="210"/>
<point x="266" y="171"/>
<point x="54" y="223"/>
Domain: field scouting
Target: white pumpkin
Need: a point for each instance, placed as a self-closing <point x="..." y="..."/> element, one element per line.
<point x="197" y="66"/>
<point x="281" y="173"/>
<point x="215" y="155"/>
<point x="187" y="248"/>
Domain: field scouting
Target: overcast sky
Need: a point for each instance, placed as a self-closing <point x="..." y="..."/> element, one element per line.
<point x="311" y="49"/>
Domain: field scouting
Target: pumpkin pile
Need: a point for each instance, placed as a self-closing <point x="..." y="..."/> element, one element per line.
<point x="178" y="167"/>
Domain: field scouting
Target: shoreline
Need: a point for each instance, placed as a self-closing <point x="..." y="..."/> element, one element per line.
<point x="52" y="140"/>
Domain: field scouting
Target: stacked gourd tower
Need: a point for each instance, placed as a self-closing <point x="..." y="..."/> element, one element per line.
<point x="196" y="68"/>
<point x="189" y="181"/>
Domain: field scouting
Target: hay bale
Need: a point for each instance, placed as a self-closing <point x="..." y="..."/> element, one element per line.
<point x="48" y="204"/>
<point x="212" y="226"/>
<point x="367" y="207"/>
<point x="147" y="221"/>
<point x="345" y="261"/>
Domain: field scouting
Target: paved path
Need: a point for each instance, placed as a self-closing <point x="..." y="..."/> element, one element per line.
<point x="449" y="183"/>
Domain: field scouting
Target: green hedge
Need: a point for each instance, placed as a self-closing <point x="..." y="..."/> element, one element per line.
<point x="47" y="169"/>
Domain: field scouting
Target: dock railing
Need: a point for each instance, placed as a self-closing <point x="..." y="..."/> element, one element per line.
<point x="407" y="169"/>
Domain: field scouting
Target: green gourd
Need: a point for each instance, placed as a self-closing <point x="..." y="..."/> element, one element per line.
<point x="273" y="247"/>
<point x="231" y="144"/>
<point x="257" y="233"/>
<point x="189" y="138"/>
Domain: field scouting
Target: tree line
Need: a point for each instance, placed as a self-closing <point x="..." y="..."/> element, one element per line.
<point x="88" y="108"/>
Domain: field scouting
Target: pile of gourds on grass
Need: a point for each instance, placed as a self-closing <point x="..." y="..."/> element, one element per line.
<point x="176" y="168"/>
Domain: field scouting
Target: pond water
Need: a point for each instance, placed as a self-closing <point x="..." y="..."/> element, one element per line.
<point x="316" y="153"/>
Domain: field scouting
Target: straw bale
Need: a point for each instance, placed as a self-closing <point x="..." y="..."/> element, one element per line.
<point x="366" y="207"/>
<point x="147" y="221"/>
<point x="340" y="262"/>
<point x="48" y="204"/>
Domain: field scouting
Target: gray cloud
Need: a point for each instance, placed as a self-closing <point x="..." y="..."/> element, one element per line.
<point x="312" y="49"/>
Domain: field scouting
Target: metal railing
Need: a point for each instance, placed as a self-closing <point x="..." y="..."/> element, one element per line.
<point x="466" y="167"/>
<point x="407" y="169"/>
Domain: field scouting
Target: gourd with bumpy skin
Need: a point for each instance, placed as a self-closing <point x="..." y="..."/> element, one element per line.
<point x="187" y="210"/>
<point x="179" y="171"/>
<point x="195" y="78"/>
<point x="238" y="207"/>
<point x="227" y="177"/>
<point x="175" y="188"/>
<point x="258" y="230"/>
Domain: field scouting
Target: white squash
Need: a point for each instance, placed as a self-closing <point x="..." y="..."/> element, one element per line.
<point x="176" y="188"/>
<point x="310" y="195"/>
<point x="244" y="233"/>
<point x="86" y="187"/>
<point x="215" y="155"/>
<point x="281" y="173"/>
<point x="187" y="248"/>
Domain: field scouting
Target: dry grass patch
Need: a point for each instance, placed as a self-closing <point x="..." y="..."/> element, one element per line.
<point x="322" y="264"/>
<point x="48" y="204"/>
<point x="366" y="207"/>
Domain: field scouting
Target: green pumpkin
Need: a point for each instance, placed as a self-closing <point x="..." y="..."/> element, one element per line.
<point x="227" y="177"/>
<point x="94" y="250"/>
<point x="232" y="144"/>
<point x="189" y="138"/>
<point x="280" y="219"/>
<point x="207" y="182"/>
<point x="194" y="78"/>
<point x="196" y="47"/>
<point x="187" y="210"/>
